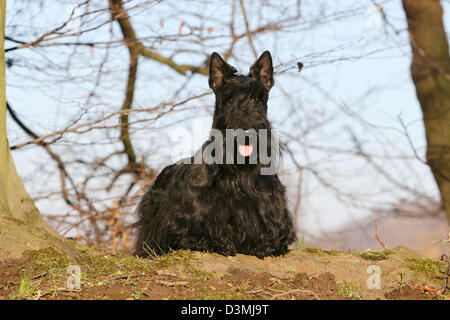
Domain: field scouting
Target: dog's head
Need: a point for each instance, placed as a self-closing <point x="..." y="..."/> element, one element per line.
<point x="241" y="100"/>
<point x="241" y="104"/>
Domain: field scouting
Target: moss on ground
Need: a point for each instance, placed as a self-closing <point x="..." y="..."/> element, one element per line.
<point x="375" y="255"/>
<point x="347" y="290"/>
<point x="108" y="274"/>
<point x="49" y="260"/>
<point x="321" y="252"/>
<point x="93" y="266"/>
<point x="179" y="258"/>
<point x="43" y="260"/>
<point x="433" y="270"/>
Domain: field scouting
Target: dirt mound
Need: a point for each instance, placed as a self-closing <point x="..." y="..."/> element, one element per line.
<point x="301" y="274"/>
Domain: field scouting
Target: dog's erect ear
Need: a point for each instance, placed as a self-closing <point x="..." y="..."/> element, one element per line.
<point x="262" y="70"/>
<point x="219" y="70"/>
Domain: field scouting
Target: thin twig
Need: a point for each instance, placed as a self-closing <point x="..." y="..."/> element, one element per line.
<point x="295" y="291"/>
<point x="377" y="236"/>
<point x="247" y="29"/>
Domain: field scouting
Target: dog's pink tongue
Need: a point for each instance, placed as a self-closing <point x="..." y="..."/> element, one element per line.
<point x="245" y="149"/>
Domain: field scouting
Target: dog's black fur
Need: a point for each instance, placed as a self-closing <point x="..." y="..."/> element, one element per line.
<point x="223" y="208"/>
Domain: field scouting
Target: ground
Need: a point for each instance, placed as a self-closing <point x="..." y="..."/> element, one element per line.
<point x="301" y="274"/>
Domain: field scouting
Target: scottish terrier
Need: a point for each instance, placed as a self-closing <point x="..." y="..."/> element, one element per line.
<point x="221" y="200"/>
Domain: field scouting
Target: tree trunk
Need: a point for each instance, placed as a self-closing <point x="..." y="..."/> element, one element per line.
<point x="21" y="225"/>
<point x="430" y="70"/>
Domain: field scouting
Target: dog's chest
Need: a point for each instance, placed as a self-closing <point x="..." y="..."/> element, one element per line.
<point x="232" y="196"/>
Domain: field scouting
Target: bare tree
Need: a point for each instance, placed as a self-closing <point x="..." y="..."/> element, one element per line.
<point x="430" y="70"/>
<point x="21" y="225"/>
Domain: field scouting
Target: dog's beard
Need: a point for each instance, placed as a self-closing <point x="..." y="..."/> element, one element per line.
<point x="245" y="152"/>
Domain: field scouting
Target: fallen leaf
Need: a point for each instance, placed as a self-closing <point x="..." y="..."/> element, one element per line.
<point x="428" y="289"/>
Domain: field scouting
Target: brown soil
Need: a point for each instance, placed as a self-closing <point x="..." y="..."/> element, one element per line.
<point x="307" y="274"/>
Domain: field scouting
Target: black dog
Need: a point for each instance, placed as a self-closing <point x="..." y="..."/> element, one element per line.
<point x="226" y="208"/>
